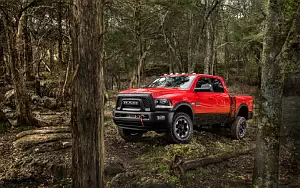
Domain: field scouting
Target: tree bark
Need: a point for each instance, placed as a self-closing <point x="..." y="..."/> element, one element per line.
<point x="273" y="59"/>
<point x="87" y="108"/>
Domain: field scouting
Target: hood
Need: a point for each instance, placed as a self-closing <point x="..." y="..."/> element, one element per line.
<point x="156" y="92"/>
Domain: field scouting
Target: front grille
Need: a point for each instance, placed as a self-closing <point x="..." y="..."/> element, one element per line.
<point x="145" y="103"/>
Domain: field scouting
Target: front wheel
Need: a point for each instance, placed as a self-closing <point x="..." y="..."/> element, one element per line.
<point x="181" y="129"/>
<point x="238" y="128"/>
<point x="130" y="135"/>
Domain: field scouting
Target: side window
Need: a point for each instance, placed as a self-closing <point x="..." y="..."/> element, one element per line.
<point x="204" y="85"/>
<point x="217" y="86"/>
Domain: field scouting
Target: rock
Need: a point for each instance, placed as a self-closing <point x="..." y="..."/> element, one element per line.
<point x="4" y="123"/>
<point x="60" y="171"/>
<point x="49" y="103"/>
<point x="46" y="102"/>
<point x="113" y="168"/>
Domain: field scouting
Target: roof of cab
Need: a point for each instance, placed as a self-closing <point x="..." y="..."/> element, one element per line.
<point x="191" y="74"/>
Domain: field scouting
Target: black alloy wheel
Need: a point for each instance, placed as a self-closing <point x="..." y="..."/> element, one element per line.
<point x="181" y="130"/>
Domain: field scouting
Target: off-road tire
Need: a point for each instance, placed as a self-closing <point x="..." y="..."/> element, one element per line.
<point x="130" y="135"/>
<point x="181" y="130"/>
<point x="238" y="128"/>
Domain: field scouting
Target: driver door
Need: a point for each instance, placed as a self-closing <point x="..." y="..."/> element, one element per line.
<point x="204" y="104"/>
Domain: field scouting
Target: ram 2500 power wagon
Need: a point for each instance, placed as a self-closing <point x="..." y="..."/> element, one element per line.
<point x="175" y="104"/>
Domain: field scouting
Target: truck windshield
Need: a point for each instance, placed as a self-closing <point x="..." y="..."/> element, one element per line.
<point x="183" y="82"/>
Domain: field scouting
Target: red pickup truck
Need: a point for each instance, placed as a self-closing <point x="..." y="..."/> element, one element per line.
<point x="174" y="104"/>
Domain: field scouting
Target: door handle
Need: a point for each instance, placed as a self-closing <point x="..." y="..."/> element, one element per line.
<point x="210" y="98"/>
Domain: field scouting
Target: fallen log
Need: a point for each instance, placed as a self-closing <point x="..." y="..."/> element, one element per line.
<point x="47" y="147"/>
<point x="44" y="131"/>
<point x="36" y="139"/>
<point x="184" y="165"/>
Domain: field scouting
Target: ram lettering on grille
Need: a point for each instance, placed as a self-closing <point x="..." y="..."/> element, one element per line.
<point x="135" y="103"/>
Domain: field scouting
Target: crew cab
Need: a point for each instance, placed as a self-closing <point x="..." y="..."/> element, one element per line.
<point x="175" y="104"/>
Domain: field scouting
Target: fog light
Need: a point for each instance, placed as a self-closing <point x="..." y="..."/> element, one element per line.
<point x="161" y="117"/>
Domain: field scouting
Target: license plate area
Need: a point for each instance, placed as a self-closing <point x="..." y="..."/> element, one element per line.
<point x="132" y="116"/>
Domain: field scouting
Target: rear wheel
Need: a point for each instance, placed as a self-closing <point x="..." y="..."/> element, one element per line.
<point x="130" y="135"/>
<point x="238" y="128"/>
<point x="181" y="129"/>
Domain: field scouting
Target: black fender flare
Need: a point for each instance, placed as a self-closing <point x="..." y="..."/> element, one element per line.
<point x="238" y="110"/>
<point x="184" y="104"/>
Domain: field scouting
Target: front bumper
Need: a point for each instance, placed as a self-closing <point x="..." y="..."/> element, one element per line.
<point x="150" y="121"/>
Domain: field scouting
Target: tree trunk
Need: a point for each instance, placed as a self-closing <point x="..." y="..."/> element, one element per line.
<point x="15" y="45"/>
<point x="135" y="79"/>
<point x="191" y="65"/>
<point x="102" y="51"/>
<point x="273" y="59"/>
<point x="213" y="49"/>
<point x="169" y="38"/>
<point x="2" y="63"/>
<point x="51" y="58"/>
<point x="28" y="51"/>
<point x="214" y="56"/>
<point x="208" y="55"/>
<point x="60" y="39"/>
<point x="87" y="108"/>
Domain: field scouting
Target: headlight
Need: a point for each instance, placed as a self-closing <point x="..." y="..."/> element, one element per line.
<point x="163" y="103"/>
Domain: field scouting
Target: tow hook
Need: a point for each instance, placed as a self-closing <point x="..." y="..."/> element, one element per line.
<point x="141" y="119"/>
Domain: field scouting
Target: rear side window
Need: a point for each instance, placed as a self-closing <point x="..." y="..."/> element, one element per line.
<point x="217" y="85"/>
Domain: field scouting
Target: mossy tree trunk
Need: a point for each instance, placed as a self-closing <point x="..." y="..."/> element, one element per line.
<point x="274" y="60"/>
<point x="87" y="108"/>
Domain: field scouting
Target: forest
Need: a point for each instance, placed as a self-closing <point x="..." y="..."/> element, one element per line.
<point x="64" y="62"/>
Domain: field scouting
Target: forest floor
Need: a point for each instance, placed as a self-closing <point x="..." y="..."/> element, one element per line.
<point x="43" y="158"/>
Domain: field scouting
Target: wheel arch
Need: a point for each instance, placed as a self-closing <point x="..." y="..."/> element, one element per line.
<point x="185" y="108"/>
<point x="242" y="111"/>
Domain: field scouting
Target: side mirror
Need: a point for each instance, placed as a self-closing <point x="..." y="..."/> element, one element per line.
<point x="144" y="86"/>
<point x="204" y="88"/>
